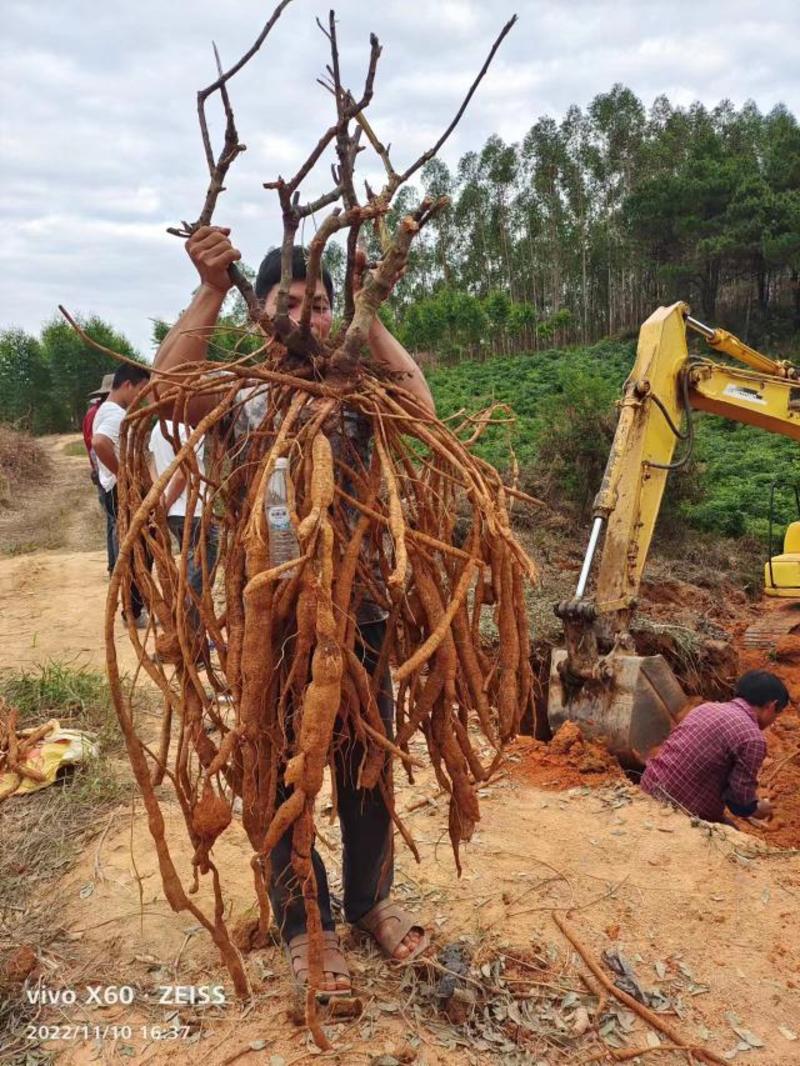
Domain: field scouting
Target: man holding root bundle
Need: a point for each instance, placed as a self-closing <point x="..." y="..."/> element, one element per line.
<point x="366" y="826"/>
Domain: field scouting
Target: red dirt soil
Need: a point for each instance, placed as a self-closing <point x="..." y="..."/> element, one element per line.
<point x="780" y="775"/>
<point x="568" y="761"/>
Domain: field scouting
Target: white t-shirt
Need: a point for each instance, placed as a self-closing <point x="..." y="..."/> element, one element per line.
<point x="163" y="454"/>
<point x="107" y="422"/>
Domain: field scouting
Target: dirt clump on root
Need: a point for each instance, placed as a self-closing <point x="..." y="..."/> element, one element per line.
<point x="19" y="965"/>
<point x="569" y="760"/>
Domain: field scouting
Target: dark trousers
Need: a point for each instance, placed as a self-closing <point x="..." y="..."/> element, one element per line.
<point x="111" y="529"/>
<point x="110" y="504"/>
<point x="367" y="846"/>
<point x="194" y="570"/>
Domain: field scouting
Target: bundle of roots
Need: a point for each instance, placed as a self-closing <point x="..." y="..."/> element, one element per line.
<point x="15" y="748"/>
<point x="419" y="526"/>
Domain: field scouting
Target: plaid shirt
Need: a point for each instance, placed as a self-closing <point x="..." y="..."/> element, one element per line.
<point x="710" y="760"/>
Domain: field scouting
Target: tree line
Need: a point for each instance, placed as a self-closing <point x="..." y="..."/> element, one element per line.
<point x="582" y="228"/>
<point x="45" y="380"/>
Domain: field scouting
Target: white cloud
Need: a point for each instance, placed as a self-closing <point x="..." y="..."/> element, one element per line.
<point x="101" y="146"/>
<point x="63" y="227"/>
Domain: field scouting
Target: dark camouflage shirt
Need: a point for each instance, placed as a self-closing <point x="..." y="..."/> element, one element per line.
<point x="352" y="446"/>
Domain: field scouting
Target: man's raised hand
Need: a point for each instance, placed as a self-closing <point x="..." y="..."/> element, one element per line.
<point x="360" y="267"/>
<point x="212" y="253"/>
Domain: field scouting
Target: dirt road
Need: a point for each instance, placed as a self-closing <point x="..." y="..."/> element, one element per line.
<point x="52" y="600"/>
<point x="709" y="921"/>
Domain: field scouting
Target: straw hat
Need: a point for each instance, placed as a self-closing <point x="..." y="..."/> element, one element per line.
<point x="106" y="386"/>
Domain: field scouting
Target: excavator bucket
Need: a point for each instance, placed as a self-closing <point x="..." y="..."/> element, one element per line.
<point x="633" y="710"/>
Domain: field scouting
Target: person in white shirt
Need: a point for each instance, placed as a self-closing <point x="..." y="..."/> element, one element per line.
<point x="128" y="380"/>
<point x="176" y="502"/>
<point x="97" y="398"/>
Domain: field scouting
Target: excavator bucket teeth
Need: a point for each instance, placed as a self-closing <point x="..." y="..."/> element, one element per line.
<point x="633" y="710"/>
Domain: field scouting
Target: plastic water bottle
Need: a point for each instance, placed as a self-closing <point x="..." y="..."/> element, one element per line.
<point x="283" y="544"/>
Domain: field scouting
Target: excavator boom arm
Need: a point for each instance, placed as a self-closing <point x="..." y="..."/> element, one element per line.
<point x="722" y="341"/>
<point x="662" y="384"/>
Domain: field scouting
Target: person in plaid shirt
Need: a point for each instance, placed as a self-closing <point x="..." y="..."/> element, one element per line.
<point x="712" y="759"/>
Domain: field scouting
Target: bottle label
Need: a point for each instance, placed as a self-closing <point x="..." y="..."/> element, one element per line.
<point x="278" y="518"/>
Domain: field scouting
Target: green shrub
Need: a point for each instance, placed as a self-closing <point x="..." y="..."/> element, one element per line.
<point x="574" y="432"/>
<point x="563" y="404"/>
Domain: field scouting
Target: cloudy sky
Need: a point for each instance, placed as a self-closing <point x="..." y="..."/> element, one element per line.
<point x="100" y="144"/>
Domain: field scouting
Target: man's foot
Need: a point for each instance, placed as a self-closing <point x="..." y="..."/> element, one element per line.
<point x="335" y="974"/>
<point x="142" y="620"/>
<point x="409" y="945"/>
<point x="399" y="935"/>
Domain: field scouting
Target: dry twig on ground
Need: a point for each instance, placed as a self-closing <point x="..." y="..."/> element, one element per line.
<point x="647" y="1015"/>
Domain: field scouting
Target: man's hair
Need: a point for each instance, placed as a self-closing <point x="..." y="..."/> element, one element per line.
<point x="129" y="372"/>
<point x="760" y="686"/>
<point x="269" y="273"/>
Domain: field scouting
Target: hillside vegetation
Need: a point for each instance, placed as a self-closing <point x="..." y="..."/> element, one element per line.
<point x="564" y="408"/>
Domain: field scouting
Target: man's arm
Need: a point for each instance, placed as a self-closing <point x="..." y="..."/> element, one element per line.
<point x="388" y="350"/>
<point x="741" y="795"/>
<point x="187" y="342"/>
<point x="174" y="489"/>
<point x="105" y="452"/>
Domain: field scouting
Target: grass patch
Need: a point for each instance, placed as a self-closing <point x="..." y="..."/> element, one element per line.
<point x="43" y="832"/>
<point x="75" y="448"/>
<point x="23" y="462"/>
<point x="78" y="697"/>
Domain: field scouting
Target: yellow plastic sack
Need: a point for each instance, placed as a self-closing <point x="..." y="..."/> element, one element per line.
<point x="60" y="747"/>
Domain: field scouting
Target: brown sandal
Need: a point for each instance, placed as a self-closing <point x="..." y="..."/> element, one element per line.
<point x="387" y="936"/>
<point x="332" y="962"/>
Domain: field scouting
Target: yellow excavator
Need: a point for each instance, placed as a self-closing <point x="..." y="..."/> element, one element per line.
<point x="597" y="680"/>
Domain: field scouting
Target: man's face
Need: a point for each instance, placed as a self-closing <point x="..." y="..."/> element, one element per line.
<point x="767" y="714"/>
<point x="321" y="313"/>
<point x="128" y="391"/>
